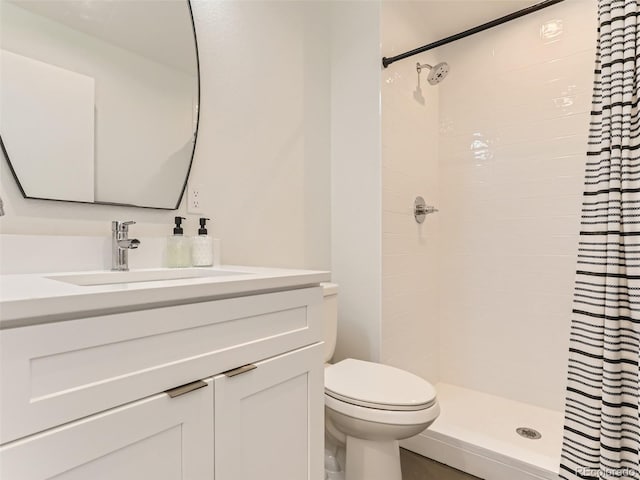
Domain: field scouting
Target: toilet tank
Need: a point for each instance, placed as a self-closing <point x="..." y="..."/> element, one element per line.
<point x="330" y="318"/>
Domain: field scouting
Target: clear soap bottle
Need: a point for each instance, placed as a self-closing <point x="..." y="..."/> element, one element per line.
<point x="202" y="247"/>
<point x="178" y="246"/>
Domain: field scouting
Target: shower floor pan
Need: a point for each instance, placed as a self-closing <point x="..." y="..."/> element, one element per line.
<point x="476" y="433"/>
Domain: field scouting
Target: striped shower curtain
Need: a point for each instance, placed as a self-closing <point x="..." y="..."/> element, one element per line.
<point x="602" y="427"/>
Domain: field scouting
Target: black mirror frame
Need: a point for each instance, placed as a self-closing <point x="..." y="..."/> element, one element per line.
<point x="195" y="142"/>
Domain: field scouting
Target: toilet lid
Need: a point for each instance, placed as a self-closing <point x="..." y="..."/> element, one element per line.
<point x="377" y="386"/>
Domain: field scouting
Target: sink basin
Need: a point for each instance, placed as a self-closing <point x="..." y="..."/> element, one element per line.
<point x="133" y="276"/>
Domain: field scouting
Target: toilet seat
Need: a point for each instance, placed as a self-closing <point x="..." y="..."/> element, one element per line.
<point x="393" y="417"/>
<point x="377" y="386"/>
<point x="378" y="406"/>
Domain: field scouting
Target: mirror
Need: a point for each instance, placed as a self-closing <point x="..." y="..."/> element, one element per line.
<point x="99" y="99"/>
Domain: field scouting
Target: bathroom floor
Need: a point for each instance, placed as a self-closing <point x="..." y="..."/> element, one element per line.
<point x="417" y="467"/>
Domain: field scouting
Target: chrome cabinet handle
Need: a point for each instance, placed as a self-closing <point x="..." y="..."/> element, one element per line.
<point x="240" y="370"/>
<point x="184" y="389"/>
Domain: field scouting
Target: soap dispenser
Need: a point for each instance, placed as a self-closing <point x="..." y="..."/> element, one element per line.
<point x="202" y="246"/>
<point x="178" y="246"/>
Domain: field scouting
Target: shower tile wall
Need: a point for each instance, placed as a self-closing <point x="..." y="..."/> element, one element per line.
<point x="513" y="127"/>
<point x="409" y="327"/>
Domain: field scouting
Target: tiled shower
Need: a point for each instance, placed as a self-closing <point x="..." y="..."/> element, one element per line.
<point x="486" y="283"/>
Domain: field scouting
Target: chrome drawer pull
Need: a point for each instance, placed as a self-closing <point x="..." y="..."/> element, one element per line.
<point x="240" y="370"/>
<point x="183" y="389"/>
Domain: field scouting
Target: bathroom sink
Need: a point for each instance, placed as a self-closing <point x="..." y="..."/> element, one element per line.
<point x="132" y="276"/>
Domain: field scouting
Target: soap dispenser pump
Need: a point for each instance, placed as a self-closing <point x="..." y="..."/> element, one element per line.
<point x="178" y="246"/>
<point x="202" y="246"/>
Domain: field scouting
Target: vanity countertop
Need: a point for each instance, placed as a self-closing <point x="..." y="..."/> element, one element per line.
<point x="31" y="299"/>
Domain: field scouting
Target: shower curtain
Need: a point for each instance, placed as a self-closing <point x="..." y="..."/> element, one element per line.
<point x="602" y="428"/>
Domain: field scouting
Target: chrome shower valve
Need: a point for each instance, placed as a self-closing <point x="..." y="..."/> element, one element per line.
<point x="421" y="209"/>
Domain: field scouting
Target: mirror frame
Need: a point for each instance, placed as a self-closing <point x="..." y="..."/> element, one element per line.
<point x="195" y="143"/>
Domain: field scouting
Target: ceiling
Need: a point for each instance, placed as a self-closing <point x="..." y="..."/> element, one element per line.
<point x="170" y="42"/>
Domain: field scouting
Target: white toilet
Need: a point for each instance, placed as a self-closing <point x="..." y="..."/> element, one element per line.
<point x="369" y="407"/>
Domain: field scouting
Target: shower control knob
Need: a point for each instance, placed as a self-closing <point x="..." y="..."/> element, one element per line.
<point x="421" y="209"/>
<point x="430" y="209"/>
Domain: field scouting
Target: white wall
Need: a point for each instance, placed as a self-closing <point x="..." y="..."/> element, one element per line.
<point x="409" y="337"/>
<point x="514" y="115"/>
<point x="263" y="148"/>
<point x="356" y="176"/>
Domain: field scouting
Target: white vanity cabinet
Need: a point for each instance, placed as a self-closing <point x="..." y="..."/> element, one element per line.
<point x="85" y="398"/>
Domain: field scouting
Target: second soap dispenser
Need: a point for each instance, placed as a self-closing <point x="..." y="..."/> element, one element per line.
<point x="178" y="246"/>
<point x="202" y="246"/>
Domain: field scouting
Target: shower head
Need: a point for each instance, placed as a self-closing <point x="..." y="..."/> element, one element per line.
<point x="437" y="72"/>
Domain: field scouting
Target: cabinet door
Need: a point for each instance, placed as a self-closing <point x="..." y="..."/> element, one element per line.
<point x="159" y="438"/>
<point x="269" y="422"/>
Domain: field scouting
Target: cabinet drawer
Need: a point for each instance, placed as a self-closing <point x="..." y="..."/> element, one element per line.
<point x="58" y="372"/>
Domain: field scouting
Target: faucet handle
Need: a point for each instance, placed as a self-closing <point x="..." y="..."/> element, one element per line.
<point x="118" y="226"/>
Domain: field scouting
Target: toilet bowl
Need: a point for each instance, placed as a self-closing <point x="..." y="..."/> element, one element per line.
<point x="369" y="407"/>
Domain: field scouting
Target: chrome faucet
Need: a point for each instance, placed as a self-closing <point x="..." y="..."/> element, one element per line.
<point x="120" y="245"/>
